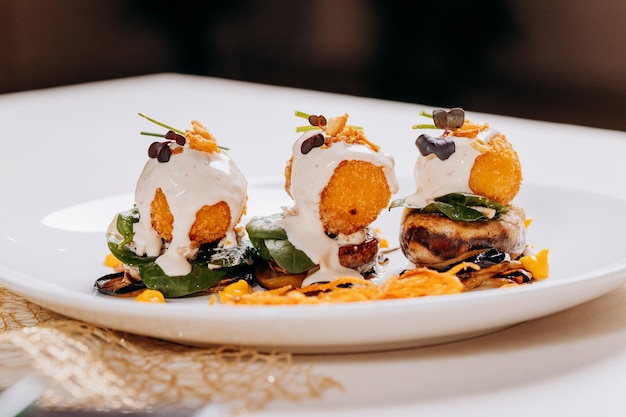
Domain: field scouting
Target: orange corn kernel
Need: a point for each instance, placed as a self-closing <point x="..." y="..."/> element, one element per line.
<point x="150" y="296"/>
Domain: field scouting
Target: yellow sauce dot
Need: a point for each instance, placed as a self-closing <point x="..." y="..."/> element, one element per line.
<point x="236" y="289"/>
<point x="111" y="261"/>
<point x="527" y="222"/>
<point x="384" y="243"/>
<point x="150" y="296"/>
<point x="537" y="264"/>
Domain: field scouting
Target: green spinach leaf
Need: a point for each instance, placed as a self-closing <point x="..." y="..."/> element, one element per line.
<point x="199" y="279"/>
<point x="125" y="222"/>
<point x="270" y="240"/>
<point x="469" y="200"/>
<point x="266" y="227"/>
<point x="457" y="206"/>
<point x="287" y="256"/>
<point x="453" y="211"/>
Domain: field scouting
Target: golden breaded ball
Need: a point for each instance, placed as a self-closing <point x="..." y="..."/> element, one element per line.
<point x="497" y="172"/>
<point x="288" y="176"/>
<point x="210" y="226"/>
<point x="354" y="197"/>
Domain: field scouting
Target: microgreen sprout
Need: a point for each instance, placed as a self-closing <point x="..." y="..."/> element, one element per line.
<point x="161" y="150"/>
<point x="302" y="114"/>
<point x="440" y="146"/>
<point x="446" y="120"/>
<point x="306" y="128"/>
<point x="158" y="135"/>
<point x="425" y="125"/>
<point x="315" y="122"/>
<point x="156" y="122"/>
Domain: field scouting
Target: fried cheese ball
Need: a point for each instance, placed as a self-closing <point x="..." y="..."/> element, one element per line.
<point x="354" y="196"/>
<point x="210" y="226"/>
<point x="288" y="176"/>
<point x="497" y="172"/>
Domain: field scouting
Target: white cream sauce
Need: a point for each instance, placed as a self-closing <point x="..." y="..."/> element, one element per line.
<point x="434" y="177"/>
<point x="310" y="174"/>
<point x="189" y="181"/>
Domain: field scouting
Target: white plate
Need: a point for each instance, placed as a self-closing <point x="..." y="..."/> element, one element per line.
<point x="54" y="260"/>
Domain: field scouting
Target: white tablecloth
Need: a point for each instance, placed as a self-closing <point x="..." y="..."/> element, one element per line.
<point x="570" y="363"/>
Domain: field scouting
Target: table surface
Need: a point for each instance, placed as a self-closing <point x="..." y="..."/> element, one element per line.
<point x="573" y="362"/>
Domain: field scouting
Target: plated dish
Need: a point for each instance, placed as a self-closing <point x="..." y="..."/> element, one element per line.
<point x="68" y="243"/>
<point x="459" y="229"/>
<point x="580" y="271"/>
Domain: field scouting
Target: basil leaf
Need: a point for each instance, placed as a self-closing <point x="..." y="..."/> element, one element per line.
<point x="458" y="206"/>
<point x="199" y="279"/>
<point x="124" y="224"/>
<point x="270" y="240"/>
<point x="287" y="256"/>
<point x="469" y="200"/>
<point x="125" y="255"/>
<point x="262" y="250"/>
<point x="266" y="227"/>
<point x="453" y="211"/>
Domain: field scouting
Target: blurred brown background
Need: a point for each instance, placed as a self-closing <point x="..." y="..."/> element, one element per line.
<point x="554" y="60"/>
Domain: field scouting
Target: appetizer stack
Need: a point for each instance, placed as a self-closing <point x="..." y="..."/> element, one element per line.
<point x="339" y="182"/>
<point x="182" y="236"/>
<point x="461" y="212"/>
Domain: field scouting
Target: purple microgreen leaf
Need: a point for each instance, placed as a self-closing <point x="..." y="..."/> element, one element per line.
<point x="314" y="141"/>
<point x="155" y="148"/>
<point x="164" y="153"/>
<point x="443" y="148"/>
<point x="449" y="120"/>
<point x="317" y="120"/>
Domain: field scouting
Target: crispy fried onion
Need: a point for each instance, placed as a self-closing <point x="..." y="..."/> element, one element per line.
<point x="491" y="269"/>
<point x="417" y="282"/>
